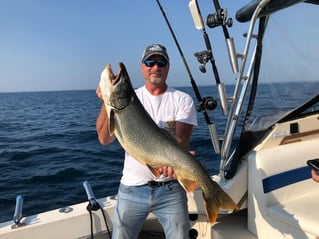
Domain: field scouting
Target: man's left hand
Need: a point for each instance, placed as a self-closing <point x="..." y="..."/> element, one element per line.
<point x="167" y="172"/>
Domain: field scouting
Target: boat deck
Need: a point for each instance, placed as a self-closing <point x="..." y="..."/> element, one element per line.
<point x="231" y="226"/>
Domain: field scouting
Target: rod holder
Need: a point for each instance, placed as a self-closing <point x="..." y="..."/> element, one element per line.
<point x="17" y="216"/>
<point x="223" y="97"/>
<point x="232" y="54"/>
<point x="90" y="195"/>
<point x="214" y="137"/>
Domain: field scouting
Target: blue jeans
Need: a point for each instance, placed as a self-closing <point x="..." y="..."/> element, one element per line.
<point x="168" y="203"/>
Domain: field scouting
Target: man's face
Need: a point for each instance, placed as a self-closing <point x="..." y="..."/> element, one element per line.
<point x="155" y="69"/>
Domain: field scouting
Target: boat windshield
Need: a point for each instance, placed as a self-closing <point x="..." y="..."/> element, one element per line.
<point x="264" y="122"/>
<point x="288" y="80"/>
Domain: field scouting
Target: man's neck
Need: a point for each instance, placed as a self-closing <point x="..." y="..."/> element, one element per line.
<point x="156" y="89"/>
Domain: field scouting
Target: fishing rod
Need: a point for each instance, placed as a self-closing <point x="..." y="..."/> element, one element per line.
<point x="213" y="20"/>
<point x="208" y="103"/>
<point x="219" y="19"/>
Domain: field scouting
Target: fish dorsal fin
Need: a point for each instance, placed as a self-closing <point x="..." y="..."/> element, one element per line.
<point x="187" y="184"/>
<point x="154" y="171"/>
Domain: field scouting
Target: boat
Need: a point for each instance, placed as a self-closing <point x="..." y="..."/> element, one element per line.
<point x="265" y="173"/>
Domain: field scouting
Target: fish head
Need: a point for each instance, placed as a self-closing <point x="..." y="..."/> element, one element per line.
<point x="116" y="90"/>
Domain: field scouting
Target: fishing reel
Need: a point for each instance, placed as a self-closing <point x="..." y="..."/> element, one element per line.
<point x="219" y="18"/>
<point x="207" y="103"/>
<point x="203" y="57"/>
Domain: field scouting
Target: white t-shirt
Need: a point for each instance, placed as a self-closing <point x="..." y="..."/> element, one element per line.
<point x="172" y="106"/>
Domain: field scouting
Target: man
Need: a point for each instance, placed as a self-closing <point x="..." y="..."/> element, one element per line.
<point x="140" y="192"/>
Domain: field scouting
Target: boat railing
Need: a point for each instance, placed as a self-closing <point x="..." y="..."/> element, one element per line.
<point x="247" y="72"/>
<point x="241" y="86"/>
<point x="244" y="75"/>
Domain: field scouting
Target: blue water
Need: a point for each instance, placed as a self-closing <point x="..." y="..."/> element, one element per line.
<point x="49" y="146"/>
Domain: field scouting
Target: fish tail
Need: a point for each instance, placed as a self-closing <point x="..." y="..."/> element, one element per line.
<point x="216" y="199"/>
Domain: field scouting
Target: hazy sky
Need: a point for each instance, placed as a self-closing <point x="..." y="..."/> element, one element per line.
<point x="65" y="44"/>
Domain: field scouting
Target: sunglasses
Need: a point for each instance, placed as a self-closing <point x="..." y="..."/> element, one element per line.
<point x="159" y="62"/>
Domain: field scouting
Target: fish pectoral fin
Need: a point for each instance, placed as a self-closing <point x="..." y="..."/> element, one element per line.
<point x="154" y="171"/>
<point x="110" y="114"/>
<point x="187" y="184"/>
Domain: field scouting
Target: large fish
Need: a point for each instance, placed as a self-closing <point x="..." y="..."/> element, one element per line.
<point x="146" y="142"/>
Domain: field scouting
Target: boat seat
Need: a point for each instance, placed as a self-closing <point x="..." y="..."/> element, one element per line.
<point x="282" y="197"/>
<point x="301" y="215"/>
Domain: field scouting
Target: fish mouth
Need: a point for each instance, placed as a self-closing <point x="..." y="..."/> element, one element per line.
<point x="114" y="79"/>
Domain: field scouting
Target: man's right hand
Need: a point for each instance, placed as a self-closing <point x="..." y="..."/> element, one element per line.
<point x="99" y="93"/>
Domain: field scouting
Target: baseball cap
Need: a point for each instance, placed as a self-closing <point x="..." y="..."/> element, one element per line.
<point x="155" y="49"/>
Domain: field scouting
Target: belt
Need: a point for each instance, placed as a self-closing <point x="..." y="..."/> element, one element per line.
<point x="155" y="184"/>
